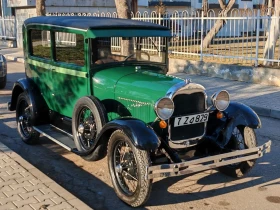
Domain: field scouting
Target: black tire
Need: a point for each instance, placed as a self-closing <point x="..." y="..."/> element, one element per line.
<point x="242" y="138"/>
<point x="3" y="83"/>
<point x="134" y="162"/>
<point x="88" y="112"/>
<point x="25" y="120"/>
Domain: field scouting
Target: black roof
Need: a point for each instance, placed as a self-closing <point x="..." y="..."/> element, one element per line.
<point x="87" y="22"/>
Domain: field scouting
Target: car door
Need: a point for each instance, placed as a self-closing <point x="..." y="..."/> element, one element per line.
<point x="69" y="72"/>
<point x="38" y="63"/>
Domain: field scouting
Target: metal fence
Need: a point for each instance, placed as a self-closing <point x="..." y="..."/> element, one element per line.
<point x="241" y="40"/>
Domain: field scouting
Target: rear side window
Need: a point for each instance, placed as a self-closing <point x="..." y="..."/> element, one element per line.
<point x="69" y="48"/>
<point x="40" y="43"/>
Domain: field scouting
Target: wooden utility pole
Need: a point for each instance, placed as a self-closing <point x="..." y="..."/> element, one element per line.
<point x="40" y="7"/>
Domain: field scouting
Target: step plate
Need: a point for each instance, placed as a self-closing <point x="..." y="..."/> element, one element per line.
<point x="58" y="136"/>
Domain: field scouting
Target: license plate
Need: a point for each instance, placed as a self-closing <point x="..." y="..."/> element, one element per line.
<point x="191" y="119"/>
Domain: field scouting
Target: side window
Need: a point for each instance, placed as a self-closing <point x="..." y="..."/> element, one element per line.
<point x="40" y="43"/>
<point x="69" y="48"/>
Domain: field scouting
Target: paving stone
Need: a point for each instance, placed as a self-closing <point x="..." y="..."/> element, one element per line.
<point x="26" y="195"/>
<point x="43" y="178"/>
<point x="12" y="177"/>
<point x="47" y="203"/>
<point x="10" y="199"/>
<point x="15" y="192"/>
<point x="27" y="201"/>
<point x="42" y="197"/>
<point x="8" y="206"/>
<point x="25" y="207"/>
<point x="36" y="187"/>
<point x="19" y="185"/>
<point x="61" y="206"/>
<point x="23" y="163"/>
<point x="2" y="195"/>
<point x="28" y="177"/>
<point x="57" y="200"/>
<point x="7" y="183"/>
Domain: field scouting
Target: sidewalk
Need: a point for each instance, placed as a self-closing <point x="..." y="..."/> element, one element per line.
<point x="264" y="99"/>
<point x="24" y="187"/>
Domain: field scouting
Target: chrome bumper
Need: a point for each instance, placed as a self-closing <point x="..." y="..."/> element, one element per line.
<point x="202" y="164"/>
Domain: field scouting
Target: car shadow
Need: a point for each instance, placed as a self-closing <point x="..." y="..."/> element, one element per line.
<point x="94" y="187"/>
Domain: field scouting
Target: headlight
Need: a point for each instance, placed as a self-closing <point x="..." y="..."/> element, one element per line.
<point x="221" y="100"/>
<point x="164" y="108"/>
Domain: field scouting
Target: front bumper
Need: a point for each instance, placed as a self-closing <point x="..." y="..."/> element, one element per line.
<point x="202" y="164"/>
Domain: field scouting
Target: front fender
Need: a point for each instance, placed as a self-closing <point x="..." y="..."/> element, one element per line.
<point x="142" y="135"/>
<point x="238" y="114"/>
<point x="243" y="115"/>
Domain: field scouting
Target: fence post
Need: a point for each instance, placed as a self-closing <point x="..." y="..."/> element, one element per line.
<point x="201" y="35"/>
<point x="257" y="38"/>
<point x="159" y="22"/>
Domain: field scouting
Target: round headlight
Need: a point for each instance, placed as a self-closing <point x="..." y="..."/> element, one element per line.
<point x="164" y="108"/>
<point x="221" y="100"/>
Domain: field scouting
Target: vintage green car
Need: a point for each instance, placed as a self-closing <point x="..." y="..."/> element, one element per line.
<point x="98" y="86"/>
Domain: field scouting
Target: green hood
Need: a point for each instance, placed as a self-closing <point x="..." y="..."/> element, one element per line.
<point x="137" y="91"/>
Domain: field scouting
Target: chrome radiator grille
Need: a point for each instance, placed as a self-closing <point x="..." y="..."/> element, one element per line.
<point x="187" y="104"/>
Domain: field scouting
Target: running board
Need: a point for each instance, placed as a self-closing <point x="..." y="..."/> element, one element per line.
<point x="203" y="164"/>
<point x="57" y="135"/>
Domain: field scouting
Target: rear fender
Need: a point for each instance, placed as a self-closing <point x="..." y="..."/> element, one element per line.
<point x="39" y="106"/>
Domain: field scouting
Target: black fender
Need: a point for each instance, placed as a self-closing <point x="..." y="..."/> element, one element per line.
<point x="39" y="106"/>
<point x="238" y="114"/>
<point x="142" y="136"/>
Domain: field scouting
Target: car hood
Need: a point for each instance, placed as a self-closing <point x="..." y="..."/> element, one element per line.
<point x="136" y="91"/>
<point x="144" y="86"/>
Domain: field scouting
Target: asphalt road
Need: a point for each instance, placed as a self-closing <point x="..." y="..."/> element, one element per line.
<point x="90" y="181"/>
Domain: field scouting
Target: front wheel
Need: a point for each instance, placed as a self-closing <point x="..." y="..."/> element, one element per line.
<point x="242" y="138"/>
<point x="127" y="166"/>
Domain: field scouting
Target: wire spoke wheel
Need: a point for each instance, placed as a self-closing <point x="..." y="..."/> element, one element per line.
<point x="125" y="167"/>
<point x="242" y="138"/>
<point x="25" y="120"/>
<point x="87" y="128"/>
<point x="128" y="169"/>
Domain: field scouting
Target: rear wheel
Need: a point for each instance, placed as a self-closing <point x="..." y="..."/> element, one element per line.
<point x="24" y="116"/>
<point x="242" y="138"/>
<point x="127" y="166"/>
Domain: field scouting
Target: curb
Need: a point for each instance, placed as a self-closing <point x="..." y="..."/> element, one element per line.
<point x="45" y="180"/>
<point x="265" y="112"/>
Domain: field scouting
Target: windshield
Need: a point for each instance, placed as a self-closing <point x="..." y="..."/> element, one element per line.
<point x="129" y="49"/>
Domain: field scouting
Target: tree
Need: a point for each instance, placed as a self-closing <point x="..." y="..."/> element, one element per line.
<point x="124" y="9"/>
<point x="40" y="7"/>
<point x="273" y="35"/>
<point x="219" y="23"/>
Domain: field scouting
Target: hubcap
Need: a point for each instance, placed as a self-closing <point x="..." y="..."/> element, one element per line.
<point x="87" y="130"/>
<point x="20" y="119"/>
<point x="81" y="129"/>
